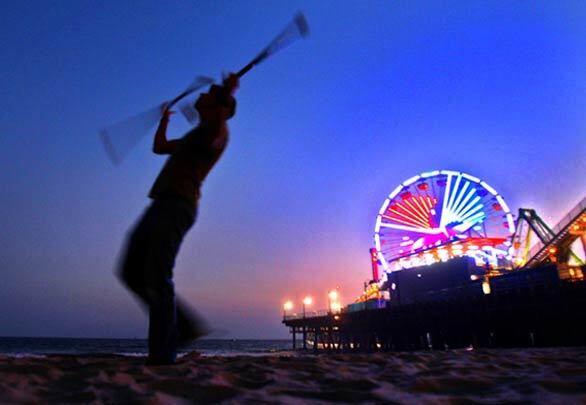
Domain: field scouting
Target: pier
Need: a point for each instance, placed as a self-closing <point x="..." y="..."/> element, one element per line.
<point x="530" y="307"/>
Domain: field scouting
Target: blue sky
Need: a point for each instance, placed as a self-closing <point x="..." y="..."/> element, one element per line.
<point x="380" y="91"/>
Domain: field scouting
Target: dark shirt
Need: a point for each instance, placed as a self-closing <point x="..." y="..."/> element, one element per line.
<point x="185" y="170"/>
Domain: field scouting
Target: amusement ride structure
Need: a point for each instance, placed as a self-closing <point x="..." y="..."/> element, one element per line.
<point x="439" y="215"/>
<point x="452" y="266"/>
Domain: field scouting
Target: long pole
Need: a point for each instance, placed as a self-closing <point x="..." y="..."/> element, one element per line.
<point x="304" y="330"/>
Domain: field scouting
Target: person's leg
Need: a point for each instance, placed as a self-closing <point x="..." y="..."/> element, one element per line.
<point x="132" y="264"/>
<point x="190" y="326"/>
<point x="162" y="323"/>
<point x="165" y="237"/>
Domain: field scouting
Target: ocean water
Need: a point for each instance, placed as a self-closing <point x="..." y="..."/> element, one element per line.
<point x="27" y="346"/>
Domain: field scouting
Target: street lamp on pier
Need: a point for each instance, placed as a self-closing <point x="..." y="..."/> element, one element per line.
<point x="336" y="307"/>
<point x="333" y="300"/>
<point x="287" y="306"/>
<point x="306" y="302"/>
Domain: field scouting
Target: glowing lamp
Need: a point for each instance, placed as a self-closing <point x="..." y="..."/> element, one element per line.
<point x="307" y="300"/>
<point x="288" y="306"/>
<point x="486" y="287"/>
<point x="336" y="306"/>
<point x="333" y="295"/>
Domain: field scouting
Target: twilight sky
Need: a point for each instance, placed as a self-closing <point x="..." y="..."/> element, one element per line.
<point x="380" y="91"/>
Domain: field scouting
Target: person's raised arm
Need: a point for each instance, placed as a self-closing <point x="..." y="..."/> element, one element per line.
<point x="231" y="82"/>
<point x="162" y="146"/>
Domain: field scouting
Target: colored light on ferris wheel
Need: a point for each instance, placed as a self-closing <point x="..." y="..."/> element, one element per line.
<point x="430" y="174"/>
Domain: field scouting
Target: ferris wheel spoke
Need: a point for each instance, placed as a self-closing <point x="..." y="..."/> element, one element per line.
<point x="446" y="196"/>
<point x="463" y="205"/>
<point x="473" y="213"/>
<point x="392" y="236"/>
<point x="391" y="250"/>
<point x="403" y="219"/>
<point x="469" y="223"/>
<point x="456" y="205"/>
<point x="471" y="208"/>
<point x="414" y="212"/>
<point x="411" y="229"/>
<point x="452" y="196"/>
<point x="421" y="208"/>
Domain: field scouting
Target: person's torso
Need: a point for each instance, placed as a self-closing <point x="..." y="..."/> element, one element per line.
<point x="186" y="169"/>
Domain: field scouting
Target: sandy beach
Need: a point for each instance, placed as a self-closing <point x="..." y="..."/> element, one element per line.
<point x="536" y="375"/>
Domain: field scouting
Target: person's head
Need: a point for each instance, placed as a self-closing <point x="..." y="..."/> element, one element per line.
<point x="215" y="105"/>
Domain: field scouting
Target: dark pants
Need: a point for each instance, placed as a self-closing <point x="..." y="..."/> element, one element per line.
<point x="147" y="270"/>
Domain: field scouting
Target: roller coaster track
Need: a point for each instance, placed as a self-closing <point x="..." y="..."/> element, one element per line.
<point x="554" y="243"/>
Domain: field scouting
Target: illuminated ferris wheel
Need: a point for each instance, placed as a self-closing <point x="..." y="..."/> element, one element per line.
<point x="439" y="215"/>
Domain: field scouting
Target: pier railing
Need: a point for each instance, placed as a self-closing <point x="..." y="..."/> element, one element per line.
<point x="308" y="314"/>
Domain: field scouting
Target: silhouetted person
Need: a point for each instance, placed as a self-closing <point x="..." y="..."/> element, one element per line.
<point x="147" y="267"/>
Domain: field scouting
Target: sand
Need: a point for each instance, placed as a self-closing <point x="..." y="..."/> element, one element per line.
<point x="486" y="376"/>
